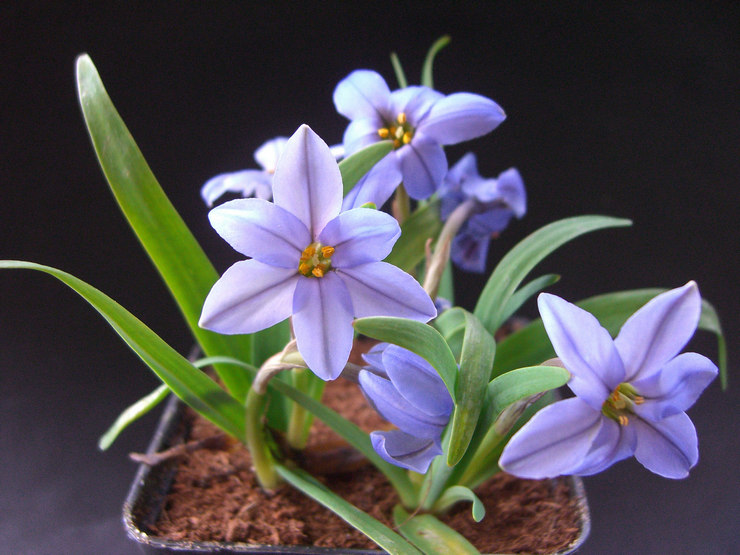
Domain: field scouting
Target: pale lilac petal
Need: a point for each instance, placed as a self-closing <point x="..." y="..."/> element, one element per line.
<point x="361" y="133"/>
<point x="460" y="117"/>
<point x="511" y="189"/>
<point x="470" y="252"/>
<point x="396" y="409"/>
<point x="268" y="154"/>
<point x="246" y="183"/>
<point x="668" y="447"/>
<point x="360" y="236"/>
<point x="613" y="444"/>
<point x="658" y="331"/>
<point x="417" y="381"/>
<point x="553" y="442"/>
<point x="262" y="230"/>
<point x="490" y="221"/>
<point x="382" y="289"/>
<point x="423" y="165"/>
<point x="249" y="297"/>
<point x="586" y="349"/>
<point x="414" y="102"/>
<point x="404" y="450"/>
<point x="676" y="387"/>
<point x="377" y="185"/>
<point x="374" y="359"/>
<point x="363" y="93"/>
<point x="307" y="180"/>
<point x="465" y="170"/>
<point x="322" y="322"/>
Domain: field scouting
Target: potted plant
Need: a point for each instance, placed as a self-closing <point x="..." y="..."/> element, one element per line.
<point x="325" y="263"/>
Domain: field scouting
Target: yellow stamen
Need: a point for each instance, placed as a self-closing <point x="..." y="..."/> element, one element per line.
<point x="326" y="252"/>
<point x="401" y="118"/>
<point x="638" y="400"/>
<point x="383" y="133"/>
<point x="304" y="268"/>
<point x="407" y="137"/>
<point x="396" y="143"/>
<point x="318" y="271"/>
<point x="623" y="420"/>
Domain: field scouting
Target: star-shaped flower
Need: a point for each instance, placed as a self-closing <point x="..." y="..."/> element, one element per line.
<point x="408" y="392"/>
<point x="309" y="261"/>
<point x="418" y="120"/>
<point x="496" y="202"/>
<point x="631" y="392"/>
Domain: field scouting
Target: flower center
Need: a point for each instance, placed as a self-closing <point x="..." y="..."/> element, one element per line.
<point x="399" y="131"/>
<point x="315" y="260"/>
<point x="620" y="404"/>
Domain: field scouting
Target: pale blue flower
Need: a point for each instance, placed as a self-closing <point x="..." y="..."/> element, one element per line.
<point x="309" y="260"/>
<point x="631" y="392"/>
<point x="409" y="393"/>
<point x="418" y="119"/>
<point x="496" y="202"/>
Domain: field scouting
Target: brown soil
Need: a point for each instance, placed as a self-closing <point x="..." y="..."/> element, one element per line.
<point x="215" y="497"/>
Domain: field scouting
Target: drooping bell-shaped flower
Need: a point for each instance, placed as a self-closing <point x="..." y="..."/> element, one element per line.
<point x="309" y="260"/>
<point x="409" y="393"/>
<point x="631" y="392"/>
<point x="418" y="120"/>
<point x="496" y="202"/>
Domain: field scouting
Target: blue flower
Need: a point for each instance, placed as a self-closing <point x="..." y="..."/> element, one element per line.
<point x="496" y="202"/>
<point x="309" y="261"/>
<point x="631" y="392"/>
<point x="409" y="393"/>
<point x="419" y="120"/>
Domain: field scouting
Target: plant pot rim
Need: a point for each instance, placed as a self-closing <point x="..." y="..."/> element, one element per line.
<point x="150" y="486"/>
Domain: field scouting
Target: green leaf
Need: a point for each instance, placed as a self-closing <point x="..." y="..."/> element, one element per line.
<point x="426" y="71"/>
<point x="185" y="380"/>
<point x="450" y="321"/>
<point x="358" y="164"/>
<point x="398" y="70"/>
<point x="178" y="257"/>
<point x="525" y="292"/>
<point x="131" y="414"/>
<point x="431" y="535"/>
<point x="423" y="224"/>
<point x="353" y="435"/>
<point x="454" y="495"/>
<point x="382" y="535"/>
<point x="530" y="345"/>
<point x="517" y="263"/>
<point x="418" y="338"/>
<point x="476" y="361"/>
<point x="446" y="288"/>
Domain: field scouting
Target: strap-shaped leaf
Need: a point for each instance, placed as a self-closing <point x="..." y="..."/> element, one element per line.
<point x="178" y="257"/>
<point x="372" y="528"/>
<point x="418" y="338"/>
<point x="423" y="224"/>
<point x="519" y="261"/>
<point x="431" y="535"/>
<point x="476" y="361"/>
<point x="426" y="71"/>
<point x="185" y="380"/>
<point x="454" y="495"/>
<point x="525" y="292"/>
<point x="131" y="414"/>
<point x="358" y="164"/>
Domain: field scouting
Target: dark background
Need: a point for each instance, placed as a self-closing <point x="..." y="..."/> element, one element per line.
<point x="629" y="110"/>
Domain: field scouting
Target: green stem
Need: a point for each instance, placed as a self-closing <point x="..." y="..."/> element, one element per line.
<point x="262" y="459"/>
<point x="401" y="205"/>
<point x="300" y="422"/>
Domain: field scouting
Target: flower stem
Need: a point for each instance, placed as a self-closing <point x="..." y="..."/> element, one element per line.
<point x="300" y="421"/>
<point x="262" y="459"/>
<point x="401" y="205"/>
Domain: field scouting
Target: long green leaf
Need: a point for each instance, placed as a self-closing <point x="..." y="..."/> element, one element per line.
<point x="431" y="535"/>
<point x="517" y="263"/>
<point x="426" y="72"/>
<point x="418" y="338"/>
<point x="476" y="361"/>
<point x="358" y="164"/>
<point x="178" y="257"/>
<point x="423" y="224"/>
<point x="185" y="380"/>
<point x="525" y="292"/>
<point x="131" y="414"/>
<point x="454" y="495"/>
<point x="372" y="528"/>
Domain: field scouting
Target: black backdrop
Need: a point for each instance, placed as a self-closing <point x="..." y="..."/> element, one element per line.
<point x="629" y="110"/>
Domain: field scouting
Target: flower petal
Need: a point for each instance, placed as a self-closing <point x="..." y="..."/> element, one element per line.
<point x="461" y="117"/>
<point x="377" y="185"/>
<point x="417" y="381"/>
<point x="249" y="297"/>
<point x="262" y="230"/>
<point x="669" y="447"/>
<point x="423" y="165"/>
<point x="658" y="331"/>
<point x="586" y="349"/>
<point x="470" y="252"/>
<point x="553" y="442"/>
<point x="676" y="387"/>
<point x="396" y="409"/>
<point x="511" y="189"/>
<point x="246" y="182"/>
<point x="363" y="93"/>
<point x="382" y="289"/>
<point x="268" y="154"/>
<point x="405" y="450"/>
<point x="359" y="236"/>
<point x="361" y="133"/>
<point x="307" y="181"/>
<point x="415" y="102"/>
<point x="613" y="444"/>
<point x="374" y="359"/>
<point x="322" y="321"/>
